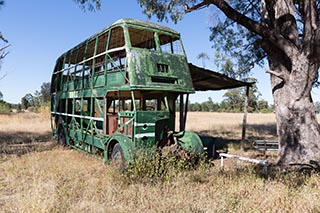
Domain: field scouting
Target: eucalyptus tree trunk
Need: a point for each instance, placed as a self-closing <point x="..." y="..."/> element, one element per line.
<point x="293" y="69"/>
<point x="293" y="53"/>
<point x="289" y="33"/>
<point x="297" y="125"/>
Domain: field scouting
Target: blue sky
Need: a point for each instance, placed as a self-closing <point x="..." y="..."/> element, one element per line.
<point x="41" y="31"/>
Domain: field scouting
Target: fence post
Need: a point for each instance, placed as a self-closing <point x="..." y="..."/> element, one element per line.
<point x="244" y="123"/>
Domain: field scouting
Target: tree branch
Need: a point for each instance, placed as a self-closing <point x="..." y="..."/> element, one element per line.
<point x="2" y="53"/>
<point x="267" y="6"/>
<point x="315" y="46"/>
<point x="199" y="6"/>
<point x="285" y="44"/>
<point x="310" y="23"/>
<point x="2" y="77"/>
<point x="265" y="32"/>
<point x="250" y="24"/>
<point x="3" y="48"/>
<point x="282" y="76"/>
<point x="2" y="38"/>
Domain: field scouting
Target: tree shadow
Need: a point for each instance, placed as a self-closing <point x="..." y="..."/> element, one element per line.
<point x="19" y="143"/>
<point x="212" y="142"/>
<point x="263" y="130"/>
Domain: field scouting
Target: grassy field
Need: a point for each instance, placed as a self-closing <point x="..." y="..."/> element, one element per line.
<point x="230" y="124"/>
<point x="38" y="176"/>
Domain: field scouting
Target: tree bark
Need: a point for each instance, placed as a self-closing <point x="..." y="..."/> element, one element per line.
<point x="297" y="125"/>
<point x="296" y="70"/>
<point x="294" y="65"/>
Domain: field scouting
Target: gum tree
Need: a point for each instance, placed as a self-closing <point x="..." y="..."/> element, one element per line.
<point x="286" y="34"/>
<point x="90" y="5"/>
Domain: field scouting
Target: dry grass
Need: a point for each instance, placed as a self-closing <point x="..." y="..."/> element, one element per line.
<point x="65" y="180"/>
<point x="24" y="132"/>
<point x="200" y="120"/>
<point x="230" y="124"/>
<point x="25" y="122"/>
<point x="68" y="181"/>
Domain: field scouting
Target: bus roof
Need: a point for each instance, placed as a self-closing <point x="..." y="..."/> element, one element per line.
<point x="131" y="22"/>
<point x="137" y="22"/>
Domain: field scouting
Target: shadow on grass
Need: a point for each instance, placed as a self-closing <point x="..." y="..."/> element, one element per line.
<point x="214" y="140"/>
<point x="263" y="129"/>
<point x="291" y="178"/>
<point x="219" y="143"/>
<point x="19" y="143"/>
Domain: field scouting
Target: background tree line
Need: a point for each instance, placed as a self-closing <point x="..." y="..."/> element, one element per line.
<point x="233" y="102"/>
<point x="31" y="102"/>
<point x="40" y="98"/>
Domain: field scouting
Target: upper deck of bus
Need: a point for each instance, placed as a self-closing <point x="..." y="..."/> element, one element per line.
<point x="142" y="68"/>
<point x="129" y="22"/>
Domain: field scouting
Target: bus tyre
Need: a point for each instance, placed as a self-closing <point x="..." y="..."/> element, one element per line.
<point x="61" y="135"/>
<point x="117" y="157"/>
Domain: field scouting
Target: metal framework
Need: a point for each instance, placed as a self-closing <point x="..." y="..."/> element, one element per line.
<point x="116" y="91"/>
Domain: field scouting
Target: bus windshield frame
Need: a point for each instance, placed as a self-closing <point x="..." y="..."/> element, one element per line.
<point x="155" y="41"/>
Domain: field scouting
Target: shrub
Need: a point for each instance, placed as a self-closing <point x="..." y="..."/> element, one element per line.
<point x="161" y="166"/>
<point x="4" y="107"/>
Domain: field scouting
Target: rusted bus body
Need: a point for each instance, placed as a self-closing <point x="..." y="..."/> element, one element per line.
<point x="119" y="88"/>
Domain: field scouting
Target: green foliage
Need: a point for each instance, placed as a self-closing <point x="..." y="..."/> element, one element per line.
<point x="237" y="49"/>
<point x="234" y="99"/>
<point x="34" y="101"/>
<point x="194" y="107"/>
<point x="27" y="101"/>
<point x="90" y="5"/>
<point x="204" y="57"/>
<point x="4" y="107"/>
<point x="234" y="102"/>
<point x="162" y="166"/>
<point x="45" y="92"/>
<point x="162" y="8"/>
<point x="264" y="107"/>
<point x="19" y="107"/>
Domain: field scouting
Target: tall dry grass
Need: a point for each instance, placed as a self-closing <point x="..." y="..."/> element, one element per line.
<point x="65" y="180"/>
<point x="24" y="132"/>
<point x="25" y="122"/>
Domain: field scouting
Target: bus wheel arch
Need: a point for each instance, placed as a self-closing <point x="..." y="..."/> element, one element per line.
<point x="123" y="142"/>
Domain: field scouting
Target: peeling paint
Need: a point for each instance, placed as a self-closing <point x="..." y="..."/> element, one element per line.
<point x="110" y="73"/>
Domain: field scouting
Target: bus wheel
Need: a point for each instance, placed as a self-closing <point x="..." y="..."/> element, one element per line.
<point x="61" y="136"/>
<point x="117" y="157"/>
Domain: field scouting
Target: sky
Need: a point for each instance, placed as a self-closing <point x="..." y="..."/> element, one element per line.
<point x="39" y="32"/>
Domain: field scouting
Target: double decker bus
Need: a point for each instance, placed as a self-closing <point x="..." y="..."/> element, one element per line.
<point x="116" y="92"/>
